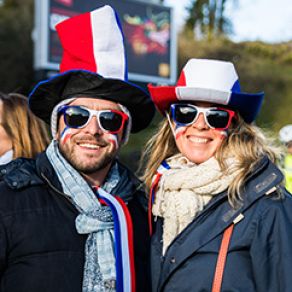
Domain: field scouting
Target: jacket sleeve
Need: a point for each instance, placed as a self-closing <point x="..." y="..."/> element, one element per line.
<point x="3" y="248"/>
<point x="271" y="248"/>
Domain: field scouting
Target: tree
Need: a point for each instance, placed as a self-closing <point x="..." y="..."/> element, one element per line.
<point x="16" y="46"/>
<point x="207" y="18"/>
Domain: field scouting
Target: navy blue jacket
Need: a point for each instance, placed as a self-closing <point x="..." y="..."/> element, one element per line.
<point x="260" y="252"/>
<point x="40" y="249"/>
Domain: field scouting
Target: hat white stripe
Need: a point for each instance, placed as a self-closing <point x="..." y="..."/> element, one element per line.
<point x="203" y="94"/>
<point x="213" y="74"/>
<point x="108" y="52"/>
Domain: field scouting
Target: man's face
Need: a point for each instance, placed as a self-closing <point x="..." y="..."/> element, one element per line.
<point x="89" y="149"/>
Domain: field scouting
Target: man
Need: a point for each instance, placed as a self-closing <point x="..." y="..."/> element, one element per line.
<point x="74" y="219"/>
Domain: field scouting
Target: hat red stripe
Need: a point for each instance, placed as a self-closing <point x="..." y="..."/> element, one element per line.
<point x="182" y="79"/>
<point x="77" y="42"/>
<point x="162" y="96"/>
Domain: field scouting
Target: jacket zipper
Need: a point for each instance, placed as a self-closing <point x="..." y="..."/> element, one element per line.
<point x="55" y="189"/>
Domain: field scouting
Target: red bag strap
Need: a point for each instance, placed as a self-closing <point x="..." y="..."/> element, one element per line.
<point x="217" y="281"/>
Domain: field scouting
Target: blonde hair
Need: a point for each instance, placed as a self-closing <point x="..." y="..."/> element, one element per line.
<point x="29" y="134"/>
<point x="247" y="143"/>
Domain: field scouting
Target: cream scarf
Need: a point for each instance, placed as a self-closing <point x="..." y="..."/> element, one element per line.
<point x="185" y="189"/>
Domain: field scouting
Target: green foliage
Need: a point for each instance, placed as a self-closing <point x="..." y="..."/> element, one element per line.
<point x="207" y="18"/>
<point x="16" y="47"/>
<point x="260" y="67"/>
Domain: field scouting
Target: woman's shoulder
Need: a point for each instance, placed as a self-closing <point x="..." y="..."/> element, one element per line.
<point x="19" y="173"/>
<point x="275" y="208"/>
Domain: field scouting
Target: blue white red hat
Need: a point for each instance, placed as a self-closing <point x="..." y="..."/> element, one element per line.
<point x="93" y="65"/>
<point x="211" y="81"/>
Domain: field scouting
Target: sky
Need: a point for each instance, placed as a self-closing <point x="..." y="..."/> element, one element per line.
<point x="265" y="20"/>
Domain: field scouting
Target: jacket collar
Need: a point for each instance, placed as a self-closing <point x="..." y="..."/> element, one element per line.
<point x="265" y="176"/>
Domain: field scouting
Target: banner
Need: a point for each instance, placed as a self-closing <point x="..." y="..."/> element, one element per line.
<point x="150" y="38"/>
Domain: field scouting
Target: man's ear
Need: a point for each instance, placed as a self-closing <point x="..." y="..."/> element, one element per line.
<point x="125" y="130"/>
<point x="57" y="136"/>
<point x="126" y="133"/>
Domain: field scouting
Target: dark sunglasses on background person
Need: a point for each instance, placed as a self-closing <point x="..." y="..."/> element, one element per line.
<point x="215" y="117"/>
<point x="77" y="117"/>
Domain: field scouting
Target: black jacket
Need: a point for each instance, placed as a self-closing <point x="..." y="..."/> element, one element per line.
<point x="40" y="249"/>
<point x="260" y="252"/>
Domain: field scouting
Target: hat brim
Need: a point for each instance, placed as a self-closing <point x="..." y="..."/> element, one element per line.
<point x="47" y="94"/>
<point x="247" y="104"/>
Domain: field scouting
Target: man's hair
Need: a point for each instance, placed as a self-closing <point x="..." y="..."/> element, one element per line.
<point x="29" y="134"/>
<point x="247" y="143"/>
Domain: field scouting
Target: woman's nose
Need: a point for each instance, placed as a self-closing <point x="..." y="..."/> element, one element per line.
<point x="200" y="123"/>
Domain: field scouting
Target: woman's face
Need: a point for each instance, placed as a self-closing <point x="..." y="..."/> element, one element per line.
<point x="5" y="141"/>
<point x="198" y="142"/>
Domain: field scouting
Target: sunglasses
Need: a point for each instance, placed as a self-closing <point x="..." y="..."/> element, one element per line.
<point x="215" y="117"/>
<point x="77" y="117"/>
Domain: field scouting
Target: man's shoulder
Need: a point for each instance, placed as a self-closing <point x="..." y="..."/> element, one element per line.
<point x="137" y="194"/>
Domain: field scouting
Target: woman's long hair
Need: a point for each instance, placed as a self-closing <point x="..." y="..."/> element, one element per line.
<point x="29" y="134"/>
<point x="247" y="143"/>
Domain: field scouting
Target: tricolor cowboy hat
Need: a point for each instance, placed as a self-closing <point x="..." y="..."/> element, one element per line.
<point x="93" y="65"/>
<point x="210" y="81"/>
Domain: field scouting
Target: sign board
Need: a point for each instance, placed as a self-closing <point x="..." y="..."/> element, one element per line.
<point x="150" y="37"/>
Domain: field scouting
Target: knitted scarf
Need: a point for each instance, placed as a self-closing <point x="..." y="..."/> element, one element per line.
<point x="185" y="189"/>
<point x="101" y="267"/>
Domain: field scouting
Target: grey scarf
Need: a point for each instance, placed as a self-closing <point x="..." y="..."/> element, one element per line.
<point x="94" y="219"/>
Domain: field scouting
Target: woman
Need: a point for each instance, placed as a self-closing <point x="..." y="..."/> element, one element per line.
<point x="211" y="172"/>
<point x="21" y="133"/>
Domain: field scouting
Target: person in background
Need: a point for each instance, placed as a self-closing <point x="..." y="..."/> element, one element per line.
<point x="222" y="220"/>
<point x="285" y="136"/>
<point x="22" y="134"/>
<point x="75" y="219"/>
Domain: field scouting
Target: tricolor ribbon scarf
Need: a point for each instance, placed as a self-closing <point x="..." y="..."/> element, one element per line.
<point x="109" y="262"/>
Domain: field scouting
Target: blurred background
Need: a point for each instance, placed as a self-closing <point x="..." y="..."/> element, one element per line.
<point x="160" y="36"/>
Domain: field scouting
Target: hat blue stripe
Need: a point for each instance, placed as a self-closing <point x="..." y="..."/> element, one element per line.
<point x="248" y="105"/>
<point x="236" y="86"/>
<point x="125" y="55"/>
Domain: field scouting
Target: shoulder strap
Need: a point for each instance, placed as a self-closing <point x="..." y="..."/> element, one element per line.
<point x="217" y="281"/>
<point x="221" y="260"/>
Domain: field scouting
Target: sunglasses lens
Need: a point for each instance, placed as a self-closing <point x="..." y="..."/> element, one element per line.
<point x="111" y="121"/>
<point x="184" y="114"/>
<point x="76" y="117"/>
<point x="218" y="118"/>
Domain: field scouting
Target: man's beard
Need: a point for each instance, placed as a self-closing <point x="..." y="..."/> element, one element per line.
<point x="102" y="162"/>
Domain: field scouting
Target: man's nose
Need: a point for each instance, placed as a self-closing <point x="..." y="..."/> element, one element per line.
<point x="93" y="127"/>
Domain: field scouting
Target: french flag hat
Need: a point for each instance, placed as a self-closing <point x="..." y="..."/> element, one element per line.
<point x="211" y="81"/>
<point x="93" y="65"/>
